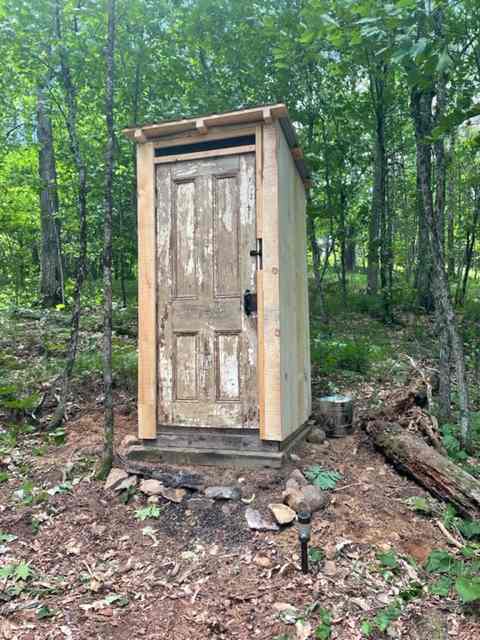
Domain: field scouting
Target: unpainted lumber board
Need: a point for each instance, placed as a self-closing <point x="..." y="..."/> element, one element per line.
<point x="147" y="292"/>
<point x="271" y="288"/>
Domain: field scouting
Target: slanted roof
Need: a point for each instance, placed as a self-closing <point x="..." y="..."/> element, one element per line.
<point x="263" y="113"/>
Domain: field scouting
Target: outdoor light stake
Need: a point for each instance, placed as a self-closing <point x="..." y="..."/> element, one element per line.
<point x="304" y="519"/>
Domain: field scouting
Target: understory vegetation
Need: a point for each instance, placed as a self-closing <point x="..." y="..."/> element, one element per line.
<point x="384" y="97"/>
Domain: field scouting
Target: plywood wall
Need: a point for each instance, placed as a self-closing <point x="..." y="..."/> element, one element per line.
<point x="293" y="288"/>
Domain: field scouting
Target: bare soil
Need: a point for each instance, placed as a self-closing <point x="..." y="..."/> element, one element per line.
<point x="197" y="571"/>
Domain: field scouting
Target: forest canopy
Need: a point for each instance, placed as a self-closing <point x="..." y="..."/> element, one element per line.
<point x="384" y="96"/>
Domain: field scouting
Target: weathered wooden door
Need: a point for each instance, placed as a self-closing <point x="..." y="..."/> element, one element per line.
<point x="207" y="349"/>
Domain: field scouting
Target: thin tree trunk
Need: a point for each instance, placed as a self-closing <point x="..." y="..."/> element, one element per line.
<point x="377" y="90"/>
<point x="444" y="396"/>
<point x="451" y="210"/>
<point x="51" y="271"/>
<point x="71" y="122"/>
<point x="469" y="251"/>
<point x="343" y="241"/>
<point x="421" y="113"/>
<point x="107" y="248"/>
<point x="423" y="274"/>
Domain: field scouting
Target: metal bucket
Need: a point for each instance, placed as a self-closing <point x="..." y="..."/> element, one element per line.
<point x="335" y="415"/>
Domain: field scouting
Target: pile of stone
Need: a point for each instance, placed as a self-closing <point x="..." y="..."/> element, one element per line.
<point x="298" y="494"/>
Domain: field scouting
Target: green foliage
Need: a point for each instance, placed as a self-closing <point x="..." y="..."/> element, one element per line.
<point x="19" y="571"/>
<point x="388" y="560"/>
<point x="469" y="529"/>
<point x="323" y="478"/>
<point x="382" y="620"/>
<point x="315" y="555"/>
<point x="462" y="574"/>
<point x="442" y="586"/>
<point x="152" y="511"/>
<point x="331" y="355"/>
<point x="324" y="629"/>
<point x="45" y="612"/>
<point x="421" y="505"/>
<point x="58" y="436"/>
<point x="7" y="537"/>
<point x="451" y="442"/>
<point x="440" y="561"/>
<point x="468" y="588"/>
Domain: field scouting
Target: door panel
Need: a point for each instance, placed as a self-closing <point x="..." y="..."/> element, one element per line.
<point x="207" y="345"/>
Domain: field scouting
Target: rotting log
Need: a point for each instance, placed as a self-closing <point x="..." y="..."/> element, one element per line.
<point x="434" y="471"/>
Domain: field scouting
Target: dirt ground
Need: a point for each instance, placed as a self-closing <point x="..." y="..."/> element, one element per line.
<point x="197" y="571"/>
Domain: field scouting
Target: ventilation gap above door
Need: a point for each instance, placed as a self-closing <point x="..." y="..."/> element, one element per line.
<point x="205" y="145"/>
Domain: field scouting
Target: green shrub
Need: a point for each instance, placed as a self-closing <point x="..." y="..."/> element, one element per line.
<point x="124" y="366"/>
<point x="334" y="355"/>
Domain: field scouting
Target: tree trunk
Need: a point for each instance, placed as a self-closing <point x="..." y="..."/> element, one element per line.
<point x="423" y="274"/>
<point x="421" y="110"/>
<point x="51" y="271"/>
<point x="377" y="90"/>
<point x="469" y="251"/>
<point x="350" y="250"/>
<point x="107" y="248"/>
<point x="71" y="122"/>
<point x="451" y="210"/>
<point x="434" y="471"/>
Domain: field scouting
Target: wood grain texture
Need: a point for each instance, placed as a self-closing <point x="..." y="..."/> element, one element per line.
<point x="294" y="320"/>
<point x="271" y="287"/>
<point x="147" y="326"/>
<point x="255" y="114"/>
<point x="207" y="345"/>
<point x="214" y="133"/>
<point x="213" y="153"/>
<point x="259" y="281"/>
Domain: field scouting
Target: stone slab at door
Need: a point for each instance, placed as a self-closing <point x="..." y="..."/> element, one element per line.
<point x="207" y="345"/>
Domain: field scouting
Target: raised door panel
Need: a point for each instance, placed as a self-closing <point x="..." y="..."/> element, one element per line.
<point x="207" y="345"/>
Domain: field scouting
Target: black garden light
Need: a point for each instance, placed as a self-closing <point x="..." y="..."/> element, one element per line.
<point x="304" y="518"/>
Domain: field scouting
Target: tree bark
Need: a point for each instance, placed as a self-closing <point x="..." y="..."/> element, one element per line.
<point x="377" y="91"/>
<point x="107" y="247"/>
<point x="423" y="273"/>
<point x="469" y="250"/>
<point x="421" y="102"/>
<point x="51" y="269"/>
<point x="434" y="471"/>
<point x="71" y="122"/>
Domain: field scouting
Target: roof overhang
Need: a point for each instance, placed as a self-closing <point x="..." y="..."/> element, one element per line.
<point x="201" y="124"/>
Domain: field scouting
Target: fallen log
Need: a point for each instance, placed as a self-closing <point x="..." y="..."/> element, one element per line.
<point x="434" y="471"/>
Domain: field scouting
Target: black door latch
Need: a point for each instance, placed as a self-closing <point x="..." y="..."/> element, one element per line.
<point x="249" y="302"/>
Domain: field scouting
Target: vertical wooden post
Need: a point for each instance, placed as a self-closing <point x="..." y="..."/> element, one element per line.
<point x="259" y="283"/>
<point x="147" y="294"/>
<point x="271" y="288"/>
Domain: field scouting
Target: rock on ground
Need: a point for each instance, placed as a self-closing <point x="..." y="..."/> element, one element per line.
<point x="258" y="522"/>
<point x="223" y="493"/>
<point x="173" y="495"/>
<point x="126" y="484"/>
<point x="151" y="487"/>
<point x="115" y="477"/>
<point x="298" y="477"/>
<point x="310" y="496"/>
<point x="316" y="436"/>
<point x="282" y="513"/>
<point x="315" y="498"/>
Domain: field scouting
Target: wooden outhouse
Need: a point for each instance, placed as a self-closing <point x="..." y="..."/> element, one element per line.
<point x="224" y="359"/>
